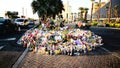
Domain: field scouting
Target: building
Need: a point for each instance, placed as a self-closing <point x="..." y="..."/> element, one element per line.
<point x="96" y="8"/>
<point x="67" y="13"/>
<point x="103" y="9"/>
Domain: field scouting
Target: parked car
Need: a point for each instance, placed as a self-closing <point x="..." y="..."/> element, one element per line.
<point x="21" y="22"/>
<point x="6" y="25"/>
<point x="31" y="22"/>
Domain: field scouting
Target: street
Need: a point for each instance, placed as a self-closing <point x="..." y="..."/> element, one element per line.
<point x="99" y="58"/>
<point x="9" y="50"/>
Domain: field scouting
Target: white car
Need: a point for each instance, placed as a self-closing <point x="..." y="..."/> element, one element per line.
<point x="21" y="21"/>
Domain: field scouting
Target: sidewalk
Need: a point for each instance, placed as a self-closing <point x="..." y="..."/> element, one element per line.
<point x="97" y="59"/>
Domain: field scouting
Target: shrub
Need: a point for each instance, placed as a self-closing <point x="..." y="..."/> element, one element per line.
<point x="111" y="24"/>
<point x="117" y="25"/>
<point x="107" y="25"/>
<point x="94" y="23"/>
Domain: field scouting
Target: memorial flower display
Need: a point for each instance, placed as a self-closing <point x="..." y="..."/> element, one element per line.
<point x="64" y="41"/>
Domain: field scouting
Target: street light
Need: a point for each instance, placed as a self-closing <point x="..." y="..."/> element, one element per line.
<point x="91" y="10"/>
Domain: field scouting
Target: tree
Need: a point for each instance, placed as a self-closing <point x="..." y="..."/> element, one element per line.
<point x="47" y="8"/>
<point x="75" y="16"/>
<point x="116" y="11"/>
<point x="72" y="15"/>
<point x="11" y="14"/>
<point x="106" y="8"/>
<point x="81" y="12"/>
<point x="85" y="11"/>
<point x="92" y="9"/>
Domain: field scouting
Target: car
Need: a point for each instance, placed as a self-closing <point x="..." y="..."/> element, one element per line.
<point x="21" y="22"/>
<point x="31" y="23"/>
<point x="6" y="25"/>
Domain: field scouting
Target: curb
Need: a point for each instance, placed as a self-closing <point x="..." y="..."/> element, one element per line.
<point x="16" y="65"/>
<point x="19" y="61"/>
<point x="105" y="27"/>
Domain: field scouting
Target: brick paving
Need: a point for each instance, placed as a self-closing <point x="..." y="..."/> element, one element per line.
<point x="95" y="59"/>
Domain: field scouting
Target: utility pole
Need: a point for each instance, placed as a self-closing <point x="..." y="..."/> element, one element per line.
<point x="23" y="11"/>
<point x="99" y="11"/>
<point x="109" y="11"/>
<point x="91" y="11"/>
<point x="26" y="12"/>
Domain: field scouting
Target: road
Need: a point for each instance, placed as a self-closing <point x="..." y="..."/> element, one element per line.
<point x="9" y="50"/>
<point x="111" y="38"/>
<point x="100" y="58"/>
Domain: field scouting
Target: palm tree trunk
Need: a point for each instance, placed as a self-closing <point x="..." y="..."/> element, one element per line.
<point x="91" y="12"/>
<point x="86" y="16"/>
<point x="81" y="15"/>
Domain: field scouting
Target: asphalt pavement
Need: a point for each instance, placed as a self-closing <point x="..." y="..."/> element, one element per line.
<point x="9" y="50"/>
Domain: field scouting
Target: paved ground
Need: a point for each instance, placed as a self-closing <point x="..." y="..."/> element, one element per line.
<point x="9" y="50"/>
<point x="9" y="55"/>
<point x="95" y="59"/>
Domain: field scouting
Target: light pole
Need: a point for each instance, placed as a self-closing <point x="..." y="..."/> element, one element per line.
<point x="99" y="11"/>
<point x="23" y="11"/>
<point x="91" y="10"/>
<point x="109" y="11"/>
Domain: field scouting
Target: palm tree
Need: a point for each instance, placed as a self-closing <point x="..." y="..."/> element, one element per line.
<point x="85" y="11"/>
<point x="92" y="9"/>
<point x="72" y="16"/>
<point x="11" y="15"/>
<point x="81" y="12"/>
<point x="106" y="8"/>
<point x="75" y="16"/>
<point x="116" y="11"/>
<point x="47" y="8"/>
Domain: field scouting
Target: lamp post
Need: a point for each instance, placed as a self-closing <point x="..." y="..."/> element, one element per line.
<point x="23" y="11"/>
<point x="109" y="11"/>
<point x="91" y="10"/>
<point x="99" y="11"/>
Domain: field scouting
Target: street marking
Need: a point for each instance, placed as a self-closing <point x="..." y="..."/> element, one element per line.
<point x="1" y="47"/>
<point x="8" y="39"/>
<point x="114" y="54"/>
